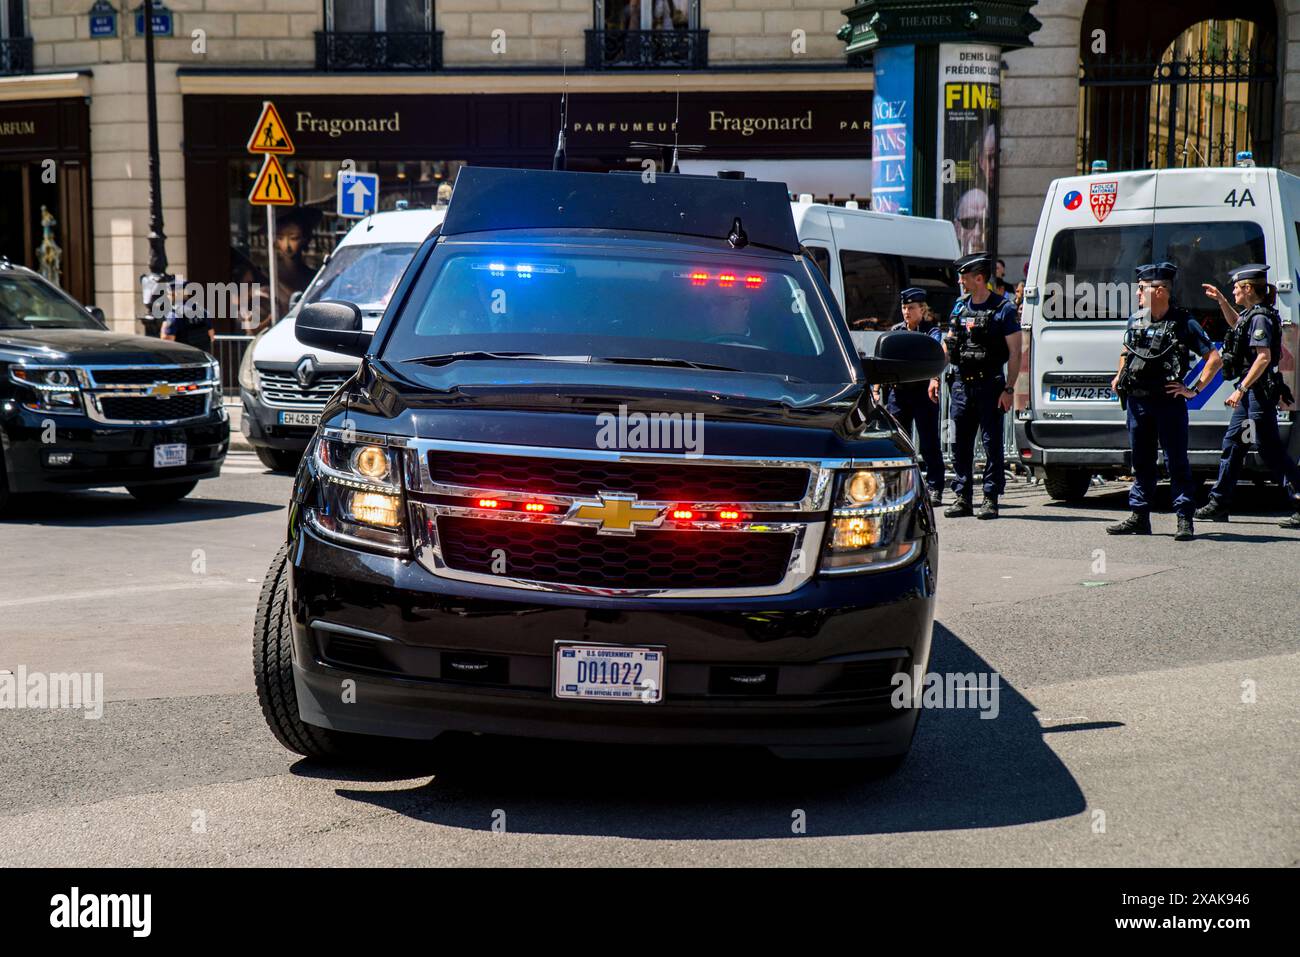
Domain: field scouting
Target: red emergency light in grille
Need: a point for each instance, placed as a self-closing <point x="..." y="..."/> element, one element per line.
<point x="683" y="514"/>
<point x="539" y="507"/>
<point x="488" y="503"/>
<point x="732" y="515"/>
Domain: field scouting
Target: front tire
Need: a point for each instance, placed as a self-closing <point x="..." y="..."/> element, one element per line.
<point x="278" y="460"/>
<point x="273" y="673"/>
<point x="1066" y="485"/>
<point x="161" y="494"/>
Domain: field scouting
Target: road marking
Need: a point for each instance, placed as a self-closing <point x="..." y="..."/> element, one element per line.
<point x="201" y="583"/>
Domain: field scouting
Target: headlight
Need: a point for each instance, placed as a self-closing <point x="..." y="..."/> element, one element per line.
<point x="873" y="522"/>
<point x="247" y="374"/>
<point x="54" y="388"/>
<point x="362" y="493"/>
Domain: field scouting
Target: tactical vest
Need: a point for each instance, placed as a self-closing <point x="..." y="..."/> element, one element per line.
<point x="1238" y="354"/>
<point x="981" y="350"/>
<point x="1157" y="353"/>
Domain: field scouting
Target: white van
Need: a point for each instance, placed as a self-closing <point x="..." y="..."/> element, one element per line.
<point x="869" y="258"/>
<point x="1093" y="232"/>
<point x="284" y="384"/>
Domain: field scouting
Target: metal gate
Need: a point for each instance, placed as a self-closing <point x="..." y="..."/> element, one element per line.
<point x="1208" y="97"/>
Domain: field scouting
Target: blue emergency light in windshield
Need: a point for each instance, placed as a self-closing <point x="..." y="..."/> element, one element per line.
<point x="519" y="270"/>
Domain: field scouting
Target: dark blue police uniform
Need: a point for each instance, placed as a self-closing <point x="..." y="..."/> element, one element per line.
<point x="1159" y="352"/>
<point x="978" y="351"/>
<point x="1259" y="327"/>
<point x="191" y="330"/>
<point x="911" y="405"/>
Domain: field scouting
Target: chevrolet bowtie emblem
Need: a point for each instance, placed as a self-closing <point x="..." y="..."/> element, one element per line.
<point x="163" y="389"/>
<point x="616" y="514"/>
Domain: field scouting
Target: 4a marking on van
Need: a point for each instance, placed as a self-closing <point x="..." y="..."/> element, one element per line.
<point x="1244" y="200"/>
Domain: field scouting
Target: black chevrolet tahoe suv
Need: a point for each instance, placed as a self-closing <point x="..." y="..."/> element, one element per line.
<point x="82" y="407"/>
<point x="610" y="469"/>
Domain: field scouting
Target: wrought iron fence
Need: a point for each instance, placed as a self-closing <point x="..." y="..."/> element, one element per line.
<point x="647" y="49"/>
<point x="376" y="52"/>
<point x="1199" y="109"/>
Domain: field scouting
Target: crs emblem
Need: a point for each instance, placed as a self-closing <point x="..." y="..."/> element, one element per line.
<point x="616" y="514"/>
<point x="1101" y="197"/>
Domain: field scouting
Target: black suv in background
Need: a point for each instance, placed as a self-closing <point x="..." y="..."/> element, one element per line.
<point x="610" y="469"/>
<point x="82" y="407"/>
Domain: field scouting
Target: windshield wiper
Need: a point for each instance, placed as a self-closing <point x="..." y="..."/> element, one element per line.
<point x="666" y="361"/>
<point x="448" y="357"/>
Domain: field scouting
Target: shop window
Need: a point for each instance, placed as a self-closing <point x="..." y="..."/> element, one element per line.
<point x="306" y="234"/>
<point x="378" y="35"/>
<point x="647" y="33"/>
<point x="15" y="43"/>
<point x="871" y="287"/>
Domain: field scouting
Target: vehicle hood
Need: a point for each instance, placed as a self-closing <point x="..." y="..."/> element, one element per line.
<point x="490" y="401"/>
<point x="92" y="346"/>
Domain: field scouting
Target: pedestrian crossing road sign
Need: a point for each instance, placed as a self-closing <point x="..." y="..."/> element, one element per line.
<point x="272" y="187"/>
<point x="270" y="134"/>
<point x="358" y="194"/>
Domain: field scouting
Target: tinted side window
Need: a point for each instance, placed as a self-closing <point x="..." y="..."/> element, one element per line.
<point x="938" y="278"/>
<point x="822" y="257"/>
<point x="871" y="287"/>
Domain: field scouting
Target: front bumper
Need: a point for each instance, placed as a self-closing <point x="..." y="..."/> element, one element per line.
<point x="105" y="456"/>
<point x="827" y="652"/>
<point x="261" y="426"/>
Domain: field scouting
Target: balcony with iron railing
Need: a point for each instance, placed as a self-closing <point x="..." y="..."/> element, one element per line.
<point x="339" y="52"/>
<point x="16" y="56"/>
<point x="647" y="49"/>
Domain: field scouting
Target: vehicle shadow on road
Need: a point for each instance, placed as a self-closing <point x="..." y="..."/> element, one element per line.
<point x="964" y="772"/>
<point x="108" y="508"/>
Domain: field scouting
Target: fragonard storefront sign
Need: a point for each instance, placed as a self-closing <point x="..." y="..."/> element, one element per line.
<point x="468" y="127"/>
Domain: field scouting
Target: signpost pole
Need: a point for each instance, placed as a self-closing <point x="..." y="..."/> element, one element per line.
<point x="270" y="259"/>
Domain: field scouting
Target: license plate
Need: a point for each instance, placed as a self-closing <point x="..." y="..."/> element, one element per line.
<point x="1083" y="393"/>
<point x="166" y="456"/>
<point x="609" y="673"/>
<point x="300" y="418"/>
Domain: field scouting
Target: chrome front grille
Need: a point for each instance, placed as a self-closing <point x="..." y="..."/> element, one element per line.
<point x="148" y="395"/>
<point x="283" y="390"/>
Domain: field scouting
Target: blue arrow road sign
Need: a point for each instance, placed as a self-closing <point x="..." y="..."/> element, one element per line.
<point x="358" y="194"/>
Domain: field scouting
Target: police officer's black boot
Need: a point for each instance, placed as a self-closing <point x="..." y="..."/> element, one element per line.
<point x="936" y="496"/>
<point x="988" y="508"/>
<point x="959" y="509"/>
<point x="1139" y="523"/>
<point x="1186" y="530"/>
<point x="1213" y="511"/>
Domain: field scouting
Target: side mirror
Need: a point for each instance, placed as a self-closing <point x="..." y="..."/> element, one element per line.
<point x="294" y="299"/>
<point x="97" y="314"/>
<point x="903" y="357"/>
<point x="332" y="325"/>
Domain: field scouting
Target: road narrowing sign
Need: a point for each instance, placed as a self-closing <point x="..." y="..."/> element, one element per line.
<point x="270" y="135"/>
<point x="272" y="187"/>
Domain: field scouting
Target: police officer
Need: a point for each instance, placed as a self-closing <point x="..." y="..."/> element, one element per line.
<point x="983" y="336"/>
<point x="1251" y="352"/>
<point x="918" y="402"/>
<point x="1158" y="345"/>
<point x="188" y="323"/>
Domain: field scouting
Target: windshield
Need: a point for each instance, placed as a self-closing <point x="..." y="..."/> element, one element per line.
<point x="634" y="301"/>
<point x="1090" y="272"/>
<point x="27" y="303"/>
<point x="363" y="275"/>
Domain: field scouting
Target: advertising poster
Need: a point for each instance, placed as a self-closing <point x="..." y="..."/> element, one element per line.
<point x="969" y="99"/>
<point x="891" y="130"/>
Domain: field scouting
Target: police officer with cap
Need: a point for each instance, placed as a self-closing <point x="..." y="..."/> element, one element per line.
<point x="1251" y="352"/>
<point x="918" y="402"/>
<point x="983" y="337"/>
<point x="1157" y="356"/>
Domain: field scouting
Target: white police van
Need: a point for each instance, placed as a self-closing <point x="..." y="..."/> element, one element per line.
<point x="283" y="384"/>
<point x="1093" y="232"/>
<point x="869" y="258"/>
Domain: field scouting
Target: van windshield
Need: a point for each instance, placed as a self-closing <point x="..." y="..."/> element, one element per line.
<point x="363" y="274"/>
<point x="631" y="302"/>
<point x="1090" y="272"/>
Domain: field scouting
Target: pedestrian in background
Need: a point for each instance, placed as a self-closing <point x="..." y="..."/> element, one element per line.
<point x="917" y="403"/>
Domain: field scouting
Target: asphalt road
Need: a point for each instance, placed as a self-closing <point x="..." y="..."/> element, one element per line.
<point x="1149" y="714"/>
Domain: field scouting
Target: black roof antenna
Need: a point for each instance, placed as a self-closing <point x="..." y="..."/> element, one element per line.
<point x="669" y="152"/>
<point x="561" y="159"/>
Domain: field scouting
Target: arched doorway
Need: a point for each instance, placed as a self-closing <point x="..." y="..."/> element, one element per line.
<point x="1192" y="89"/>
